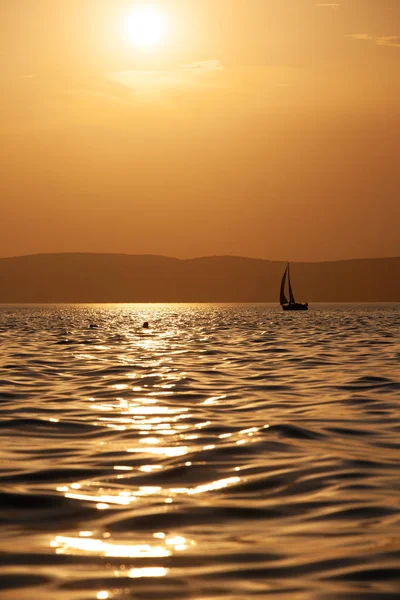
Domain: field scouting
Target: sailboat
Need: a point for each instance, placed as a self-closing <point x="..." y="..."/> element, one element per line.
<point x="291" y="304"/>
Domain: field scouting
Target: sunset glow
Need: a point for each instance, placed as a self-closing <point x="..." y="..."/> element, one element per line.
<point x="200" y="299"/>
<point x="144" y="28"/>
<point x="190" y="128"/>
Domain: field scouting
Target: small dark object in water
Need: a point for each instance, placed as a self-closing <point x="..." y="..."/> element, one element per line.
<point x="93" y="326"/>
<point x="145" y="325"/>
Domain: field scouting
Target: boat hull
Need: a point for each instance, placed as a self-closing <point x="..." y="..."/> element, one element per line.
<point x="295" y="306"/>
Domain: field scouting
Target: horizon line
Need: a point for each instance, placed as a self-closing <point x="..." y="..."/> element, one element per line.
<point x="37" y="254"/>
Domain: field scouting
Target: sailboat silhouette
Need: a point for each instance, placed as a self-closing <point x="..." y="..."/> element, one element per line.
<point x="290" y="304"/>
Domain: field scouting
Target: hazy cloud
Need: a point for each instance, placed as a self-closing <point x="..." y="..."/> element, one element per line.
<point x="360" y="36"/>
<point x="111" y="97"/>
<point x="333" y="6"/>
<point x="182" y="76"/>
<point x="387" y="40"/>
<point x="162" y="87"/>
<point x="204" y="66"/>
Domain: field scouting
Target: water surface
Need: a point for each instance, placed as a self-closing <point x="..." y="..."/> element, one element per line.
<point x="229" y="452"/>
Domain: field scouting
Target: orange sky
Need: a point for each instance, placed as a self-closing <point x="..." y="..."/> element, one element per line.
<point x="264" y="128"/>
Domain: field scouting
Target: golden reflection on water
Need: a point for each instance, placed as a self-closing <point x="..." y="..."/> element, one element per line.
<point x="145" y="416"/>
<point x="136" y="573"/>
<point x="144" y="413"/>
<point x="153" y="423"/>
<point x="162" y="450"/>
<point x="150" y="468"/>
<point x="164" y="546"/>
<point x="214" y="399"/>
<point x="214" y="485"/>
<point x="81" y="546"/>
<point x="125" y="497"/>
<point x="148" y="572"/>
<point x="101" y="499"/>
<point x="122" y="468"/>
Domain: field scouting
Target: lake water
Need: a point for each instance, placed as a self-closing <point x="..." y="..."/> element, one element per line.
<point x="229" y="452"/>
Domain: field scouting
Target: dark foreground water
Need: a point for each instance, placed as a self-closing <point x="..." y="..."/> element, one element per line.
<point x="229" y="452"/>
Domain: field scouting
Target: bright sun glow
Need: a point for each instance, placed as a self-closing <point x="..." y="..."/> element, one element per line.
<point x="144" y="27"/>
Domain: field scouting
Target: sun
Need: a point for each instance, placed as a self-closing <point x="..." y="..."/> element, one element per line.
<point x="144" y="27"/>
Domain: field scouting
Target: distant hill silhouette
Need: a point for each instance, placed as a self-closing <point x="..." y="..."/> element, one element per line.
<point x="146" y="278"/>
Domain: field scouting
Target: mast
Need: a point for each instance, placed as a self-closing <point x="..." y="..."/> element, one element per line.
<point x="292" y="300"/>
<point x="283" y="298"/>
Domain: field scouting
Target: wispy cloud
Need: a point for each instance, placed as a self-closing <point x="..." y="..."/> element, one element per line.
<point x="189" y="75"/>
<point x="387" y="40"/>
<point x="360" y="36"/>
<point x="204" y="66"/>
<point x="99" y="94"/>
<point x="161" y="86"/>
<point x="327" y="5"/>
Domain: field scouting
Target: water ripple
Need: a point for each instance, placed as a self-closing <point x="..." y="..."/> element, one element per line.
<point x="229" y="451"/>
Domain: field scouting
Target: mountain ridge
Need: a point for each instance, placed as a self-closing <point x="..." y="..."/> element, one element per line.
<point x="162" y="256"/>
<point x="80" y="277"/>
